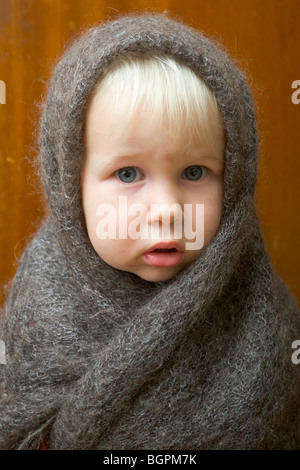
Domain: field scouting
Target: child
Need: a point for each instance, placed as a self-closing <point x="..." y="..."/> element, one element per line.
<point x="148" y="154"/>
<point x="119" y="333"/>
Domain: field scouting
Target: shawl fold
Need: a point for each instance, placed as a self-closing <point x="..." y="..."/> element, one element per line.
<point x="97" y="358"/>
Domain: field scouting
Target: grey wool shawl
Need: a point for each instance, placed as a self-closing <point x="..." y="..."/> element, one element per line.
<point x="96" y="358"/>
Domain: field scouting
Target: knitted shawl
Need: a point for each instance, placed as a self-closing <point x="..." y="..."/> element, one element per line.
<point x="97" y="358"/>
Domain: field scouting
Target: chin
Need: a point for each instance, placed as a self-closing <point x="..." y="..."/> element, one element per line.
<point x="158" y="274"/>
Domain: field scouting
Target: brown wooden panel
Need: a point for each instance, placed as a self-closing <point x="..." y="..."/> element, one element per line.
<point x="263" y="36"/>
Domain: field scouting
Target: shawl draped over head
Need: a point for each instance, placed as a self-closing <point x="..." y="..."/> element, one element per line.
<point x="96" y="358"/>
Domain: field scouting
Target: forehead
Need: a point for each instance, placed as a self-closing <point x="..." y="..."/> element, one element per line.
<point x="113" y="120"/>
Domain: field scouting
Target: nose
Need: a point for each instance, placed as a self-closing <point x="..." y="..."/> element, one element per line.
<point x="165" y="205"/>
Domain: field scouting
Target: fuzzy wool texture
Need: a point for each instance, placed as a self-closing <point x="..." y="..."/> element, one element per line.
<point x="97" y="358"/>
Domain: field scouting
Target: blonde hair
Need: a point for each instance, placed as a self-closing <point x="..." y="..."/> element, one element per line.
<point x="168" y="92"/>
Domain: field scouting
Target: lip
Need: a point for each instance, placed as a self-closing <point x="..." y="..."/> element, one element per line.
<point x="167" y="245"/>
<point x="164" y="259"/>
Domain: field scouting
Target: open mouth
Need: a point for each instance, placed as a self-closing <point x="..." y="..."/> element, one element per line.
<point x="163" y="250"/>
<point x="164" y="257"/>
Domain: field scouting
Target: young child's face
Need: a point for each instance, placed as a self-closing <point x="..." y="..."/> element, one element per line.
<point x="143" y="165"/>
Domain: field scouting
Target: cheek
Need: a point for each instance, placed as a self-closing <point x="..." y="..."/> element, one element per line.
<point x="212" y="217"/>
<point x="103" y="217"/>
<point x="98" y="207"/>
<point x="104" y="237"/>
<point x="113" y="252"/>
<point x="107" y="229"/>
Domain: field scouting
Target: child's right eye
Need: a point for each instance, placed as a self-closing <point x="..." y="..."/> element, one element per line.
<point x="129" y="174"/>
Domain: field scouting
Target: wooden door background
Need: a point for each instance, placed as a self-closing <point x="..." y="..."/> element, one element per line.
<point x="264" y="37"/>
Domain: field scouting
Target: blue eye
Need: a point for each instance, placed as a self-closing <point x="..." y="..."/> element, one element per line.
<point x="128" y="174"/>
<point x="194" y="172"/>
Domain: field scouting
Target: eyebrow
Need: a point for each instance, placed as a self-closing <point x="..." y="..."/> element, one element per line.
<point x="114" y="160"/>
<point x="206" y="156"/>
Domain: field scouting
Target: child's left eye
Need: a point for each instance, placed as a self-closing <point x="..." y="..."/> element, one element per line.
<point x="129" y="174"/>
<point x="194" y="172"/>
